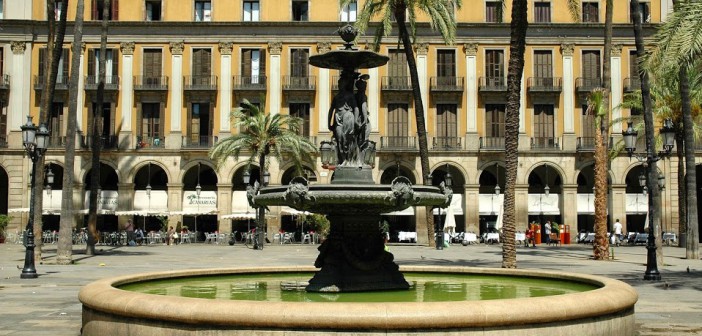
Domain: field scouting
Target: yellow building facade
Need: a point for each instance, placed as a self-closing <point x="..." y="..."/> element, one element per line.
<point x="176" y="69"/>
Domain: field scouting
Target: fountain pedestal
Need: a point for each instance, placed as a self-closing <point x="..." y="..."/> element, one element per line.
<point x="353" y="258"/>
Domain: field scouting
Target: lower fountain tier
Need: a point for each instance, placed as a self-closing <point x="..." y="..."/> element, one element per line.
<point x="353" y="258"/>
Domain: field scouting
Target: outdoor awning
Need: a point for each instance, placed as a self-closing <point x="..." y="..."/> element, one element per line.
<point x="540" y="204"/>
<point x="586" y="204"/>
<point x="456" y="205"/>
<point x="17" y="210"/>
<point x="142" y="213"/>
<point x="406" y="212"/>
<point x="193" y="212"/>
<point x="242" y="215"/>
<point x="99" y="212"/>
<point x="636" y="204"/>
<point x="52" y="202"/>
<point x="26" y="210"/>
<point x="490" y="204"/>
<point x="157" y="202"/>
<point x="240" y="204"/>
<point x="285" y="210"/>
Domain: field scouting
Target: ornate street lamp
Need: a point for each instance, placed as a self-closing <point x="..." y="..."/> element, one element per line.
<point x="448" y="183"/>
<point x="49" y="180"/>
<point x="198" y="187"/>
<point x="497" y="176"/>
<point x="648" y="158"/>
<point x="369" y="154"/>
<point x="35" y="141"/>
<point x="247" y="178"/>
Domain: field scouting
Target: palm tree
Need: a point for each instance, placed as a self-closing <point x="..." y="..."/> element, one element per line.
<point x="55" y="36"/>
<point x="65" y="243"/>
<point x="442" y="18"/>
<point x="678" y="46"/>
<point x="262" y="135"/>
<point x="517" y="46"/>
<point x="96" y="135"/>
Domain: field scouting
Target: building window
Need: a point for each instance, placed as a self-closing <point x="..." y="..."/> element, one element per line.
<point x="591" y="68"/>
<point x="62" y="74"/>
<point x="203" y="11"/>
<point x="302" y="111"/>
<point x="591" y="11"/>
<point x="447" y="124"/>
<point x="253" y="66"/>
<point x="150" y="125"/>
<point x="56" y="129"/>
<point x="152" y="67"/>
<point x="445" y="63"/>
<point x="543" y="125"/>
<point x="588" y="126"/>
<point x="348" y="12"/>
<point x="153" y="10"/>
<point x="298" y="62"/>
<point x="542" y="11"/>
<point x="543" y="64"/>
<point x="252" y="10"/>
<point x="493" y="11"/>
<point x="645" y="9"/>
<point x="105" y="120"/>
<point x="202" y="67"/>
<point x="57" y="9"/>
<point x="111" y="65"/>
<point x="2" y="16"/>
<point x="495" y="120"/>
<point x="398" y="125"/>
<point x="99" y="5"/>
<point x="300" y="10"/>
<point x="494" y="67"/>
<point x="201" y="123"/>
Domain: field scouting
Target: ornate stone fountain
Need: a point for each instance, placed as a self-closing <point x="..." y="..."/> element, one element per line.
<point x="353" y="257"/>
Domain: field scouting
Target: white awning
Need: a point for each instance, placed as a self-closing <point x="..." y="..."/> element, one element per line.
<point x="546" y="205"/>
<point x="205" y="203"/>
<point x="406" y="212"/>
<point x="157" y="202"/>
<point x="244" y="215"/>
<point x="586" y="204"/>
<point x="52" y="201"/>
<point x="285" y="210"/>
<point x="99" y="212"/>
<point x="192" y="212"/>
<point x="240" y="204"/>
<point x="636" y="204"/>
<point x="490" y="204"/>
<point x="142" y="213"/>
<point x="17" y="210"/>
<point x="456" y="205"/>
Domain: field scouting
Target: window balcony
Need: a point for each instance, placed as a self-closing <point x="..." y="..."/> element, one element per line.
<point x="252" y="83"/>
<point x="396" y="83"/>
<point x="585" y="144"/>
<point x="585" y="85"/>
<point x="201" y="83"/>
<point x="299" y="83"/>
<point x="447" y="143"/>
<point x="149" y="83"/>
<point x="61" y="83"/>
<point x="492" y="143"/>
<point x="492" y="84"/>
<point x="205" y="141"/>
<point x="544" y="84"/>
<point x="145" y="142"/>
<point x="398" y="142"/>
<point x="545" y="143"/>
<point x="632" y="84"/>
<point x="446" y="84"/>
<point x="106" y="142"/>
<point x="111" y="83"/>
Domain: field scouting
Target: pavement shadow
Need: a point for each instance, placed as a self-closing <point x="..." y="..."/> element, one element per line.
<point x="79" y="254"/>
<point x="675" y="280"/>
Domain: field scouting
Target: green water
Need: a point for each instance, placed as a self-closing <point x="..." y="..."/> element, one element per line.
<point x="289" y="287"/>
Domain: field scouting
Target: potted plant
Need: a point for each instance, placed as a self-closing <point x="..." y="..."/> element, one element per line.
<point x="4" y="221"/>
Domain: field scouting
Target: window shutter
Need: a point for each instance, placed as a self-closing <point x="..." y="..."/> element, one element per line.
<point x="94" y="8"/>
<point x="207" y="62"/>
<point x="42" y="62"/>
<point x="115" y="10"/>
<point x="246" y="63"/>
<point x="91" y="62"/>
<point x="66" y="61"/>
<point x="115" y="62"/>
<point x="140" y="119"/>
<point x="262" y="62"/>
<point x="197" y="64"/>
<point x="161" y="119"/>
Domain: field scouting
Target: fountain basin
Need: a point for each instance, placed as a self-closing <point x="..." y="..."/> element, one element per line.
<point x="607" y="310"/>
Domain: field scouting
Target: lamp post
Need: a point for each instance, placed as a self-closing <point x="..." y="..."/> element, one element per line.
<point x="649" y="159"/>
<point x="49" y="180"/>
<point x="497" y="177"/>
<point x="35" y="142"/>
<point x="148" y="195"/>
<point x="251" y="191"/>
<point x="198" y="190"/>
<point x="448" y="181"/>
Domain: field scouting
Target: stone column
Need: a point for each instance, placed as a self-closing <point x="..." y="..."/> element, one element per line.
<point x="20" y="84"/>
<point x="666" y="8"/>
<point x="127" y="94"/>
<point x="471" y="91"/>
<point x="521" y="202"/>
<point x="225" y="88"/>
<point x="616" y="85"/>
<point x="569" y="209"/>
<point x="373" y="92"/>
<point x="568" y="97"/>
<point x="422" y="49"/>
<point x="618" y="208"/>
<point x="274" y="84"/>
<point x="174" y="139"/>
<point x="125" y="197"/>
<point x="224" y="205"/>
<point x="471" y="199"/>
<point x="323" y="91"/>
<point x="420" y="215"/>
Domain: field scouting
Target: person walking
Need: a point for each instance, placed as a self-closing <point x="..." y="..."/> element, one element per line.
<point x="547" y="232"/>
<point x="131" y="240"/>
<point x="618" y="230"/>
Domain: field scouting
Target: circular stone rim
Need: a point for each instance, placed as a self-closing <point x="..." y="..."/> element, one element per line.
<point x="612" y="297"/>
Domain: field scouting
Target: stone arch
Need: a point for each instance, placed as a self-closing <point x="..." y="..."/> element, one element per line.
<point x="455" y="165"/>
<point x="458" y="174"/>
<point x="585" y="165"/>
<point x="86" y="176"/>
<point x="193" y="163"/>
<point x="289" y="173"/>
<point x="486" y="177"/>
<point x="561" y="173"/>
<point x="389" y="172"/>
<point x="135" y="169"/>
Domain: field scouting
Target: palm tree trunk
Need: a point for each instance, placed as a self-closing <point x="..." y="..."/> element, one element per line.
<point x="517" y="45"/>
<point x="601" y="244"/>
<point x="56" y="33"/>
<point x="654" y="194"/>
<point x="64" y="251"/>
<point x="682" y="193"/>
<point x="261" y="229"/>
<point x="418" y="111"/>
<point x="96" y="136"/>
<point x="692" y="247"/>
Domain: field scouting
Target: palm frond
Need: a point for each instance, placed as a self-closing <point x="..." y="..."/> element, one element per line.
<point x="679" y="39"/>
<point x="574" y="9"/>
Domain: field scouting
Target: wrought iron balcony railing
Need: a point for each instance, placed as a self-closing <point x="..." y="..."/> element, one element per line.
<point x="398" y="142"/>
<point x="150" y="142"/>
<point x="203" y="82"/>
<point x="492" y="143"/>
<point x="447" y="143"/>
<point x="583" y="84"/>
<point x="585" y="144"/>
<point x="299" y="83"/>
<point x="111" y="82"/>
<point x="205" y="141"/>
<point x="492" y="84"/>
<point x="551" y="143"/>
<point x="61" y="82"/>
<point x="544" y="84"/>
<point x="395" y="83"/>
<point x="445" y="84"/>
<point x="106" y="142"/>
<point x="150" y="83"/>
<point x="257" y="83"/>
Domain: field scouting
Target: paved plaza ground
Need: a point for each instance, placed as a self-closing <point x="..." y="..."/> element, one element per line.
<point x="49" y="305"/>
